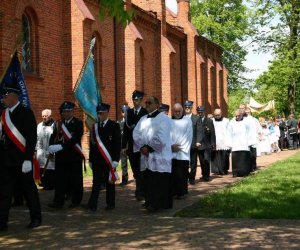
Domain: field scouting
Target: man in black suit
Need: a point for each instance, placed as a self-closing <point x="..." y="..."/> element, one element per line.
<point x="188" y="108"/>
<point x="18" y="156"/>
<point x="104" y="157"/>
<point x="68" y="157"/>
<point x="206" y="141"/>
<point x="131" y="119"/>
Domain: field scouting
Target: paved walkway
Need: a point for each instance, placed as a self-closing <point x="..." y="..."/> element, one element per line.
<point x="129" y="226"/>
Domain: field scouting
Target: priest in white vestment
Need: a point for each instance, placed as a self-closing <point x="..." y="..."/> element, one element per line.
<point x="239" y="142"/>
<point x="152" y="138"/>
<point x="182" y="136"/>
<point x="220" y="155"/>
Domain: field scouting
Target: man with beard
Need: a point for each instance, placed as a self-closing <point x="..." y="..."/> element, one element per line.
<point x="182" y="136"/>
<point x="220" y="156"/>
<point x="152" y="138"/>
<point x="132" y="117"/>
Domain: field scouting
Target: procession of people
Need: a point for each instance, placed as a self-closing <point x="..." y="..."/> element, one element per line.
<point x="163" y="151"/>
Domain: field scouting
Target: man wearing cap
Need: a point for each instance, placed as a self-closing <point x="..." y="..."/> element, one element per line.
<point x="133" y="116"/>
<point x="152" y="138"/>
<point x="124" y="157"/>
<point x="19" y="140"/>
<point x="44" y="131"/>
<point x="182" y="136"/>
<point x="164" y="108"/>
<point x="206" y="141"/>
<point x="105" y="148"/>
<point x="188" y="108"/>
<point x="65" y="144"/>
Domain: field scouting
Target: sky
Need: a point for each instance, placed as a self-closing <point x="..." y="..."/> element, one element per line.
<point x="258" y="62"/>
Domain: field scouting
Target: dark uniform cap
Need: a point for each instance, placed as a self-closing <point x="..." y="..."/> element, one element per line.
<point x="164" y="107"/>
<point x="66" y="106"/>
<point x="124" y="108"/>
<point x="10" y="88"/>
<point x="137" y="94"/>
<point x="102" y="107"/>
<point x="188" y="103"/>
<point x="200" y="109"/>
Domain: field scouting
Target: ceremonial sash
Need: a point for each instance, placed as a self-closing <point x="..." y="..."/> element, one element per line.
<point x="113" y="175"/>
<point x="67" y="135"/>
<point x="18" y="139"/>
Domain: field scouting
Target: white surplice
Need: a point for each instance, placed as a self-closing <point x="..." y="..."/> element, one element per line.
<point x="239" y="135"/>
<point x="182" y="134"/>
<point x="221" y="131"/>
<point x="156" y="133"/>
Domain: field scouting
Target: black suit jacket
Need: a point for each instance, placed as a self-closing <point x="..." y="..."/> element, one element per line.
<point x="110" y="135"/>
<point x="206" y="133"/>
<point x="24" y="120"/>
<point x="68" y="154"/>
<point x="195" y="119"/>
<point x="131" y="121"/>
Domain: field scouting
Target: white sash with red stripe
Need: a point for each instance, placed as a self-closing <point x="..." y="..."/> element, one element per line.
<point x="18" y="139"/>
<point x="68" y="136"/>
<point x="113" y="175"/>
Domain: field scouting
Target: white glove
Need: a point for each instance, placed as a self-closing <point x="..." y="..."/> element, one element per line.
<point x="115" y="164"/>
<point x="26" y="167"/>
<point x="55" y="148"/>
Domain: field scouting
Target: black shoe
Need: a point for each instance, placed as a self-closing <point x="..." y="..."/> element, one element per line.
<point x="192" y="182"/>
<point x="88" y="207"/>
<point x="206" y="179"/>
<point x="124" y="182"/>
<point x="55" y="205"/>
<point x="34" y="223"/>
<point x="151" y="209"/>
<point x="139" y="197"/>
<point x="109" y="207"/>
<point x="17" y="204"/>
<point x="3" y="227"/>
<point x="72" y="205"/>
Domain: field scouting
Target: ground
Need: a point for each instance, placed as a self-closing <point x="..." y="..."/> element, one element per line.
<point x="129" y="226"/>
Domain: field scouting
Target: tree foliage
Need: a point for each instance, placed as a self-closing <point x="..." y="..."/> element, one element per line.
<point x="282" y="17"/>
<point x="227" y="23"/>
<point x="115" y="8"/>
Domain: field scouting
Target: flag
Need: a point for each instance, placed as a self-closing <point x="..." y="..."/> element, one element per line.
<point x="86" y="90"/>
<point x="14" y="74"/>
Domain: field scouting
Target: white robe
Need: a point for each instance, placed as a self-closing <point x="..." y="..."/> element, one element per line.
<point x="221" y="131"/>
<point x="239" y="135"/>
<point x="42" y="145"/>
<point x="255" y="129"/>
<point x="182" y="134"/>
<point x="156" y="133"/>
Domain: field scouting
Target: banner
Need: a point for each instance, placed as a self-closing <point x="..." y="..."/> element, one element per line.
<point x="14" y="74"/>
<point x="257" y="107"/>
<point x="86" y="90"/>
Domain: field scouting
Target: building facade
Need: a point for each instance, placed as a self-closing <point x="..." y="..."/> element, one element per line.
<point x="159" y="52"/>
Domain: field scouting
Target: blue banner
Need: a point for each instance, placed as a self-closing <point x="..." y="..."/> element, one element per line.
<point x="86" y="91"/>
<point x="14" y="74"/>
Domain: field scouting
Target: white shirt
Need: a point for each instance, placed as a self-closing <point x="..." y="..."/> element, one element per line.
<point x="182" y="134"/>
<point x="14" y="107"/>
<point x="156" y="133"/>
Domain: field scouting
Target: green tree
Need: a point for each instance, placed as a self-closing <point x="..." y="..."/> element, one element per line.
<point x="115" y="8"/>
<point x="227" y="23"/>
<point x="283" y="19"/>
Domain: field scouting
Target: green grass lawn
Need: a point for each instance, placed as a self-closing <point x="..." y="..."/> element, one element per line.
<point x="273" y="193"/>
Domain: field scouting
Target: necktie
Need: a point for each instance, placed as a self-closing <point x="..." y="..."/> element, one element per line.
<point x="135" y="112"/>
<point x="101" y="124"/>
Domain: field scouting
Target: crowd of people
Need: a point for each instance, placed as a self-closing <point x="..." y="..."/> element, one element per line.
<point x="162" y="149"/>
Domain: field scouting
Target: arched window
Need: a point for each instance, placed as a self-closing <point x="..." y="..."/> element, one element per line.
<point x="26" y="45"/>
